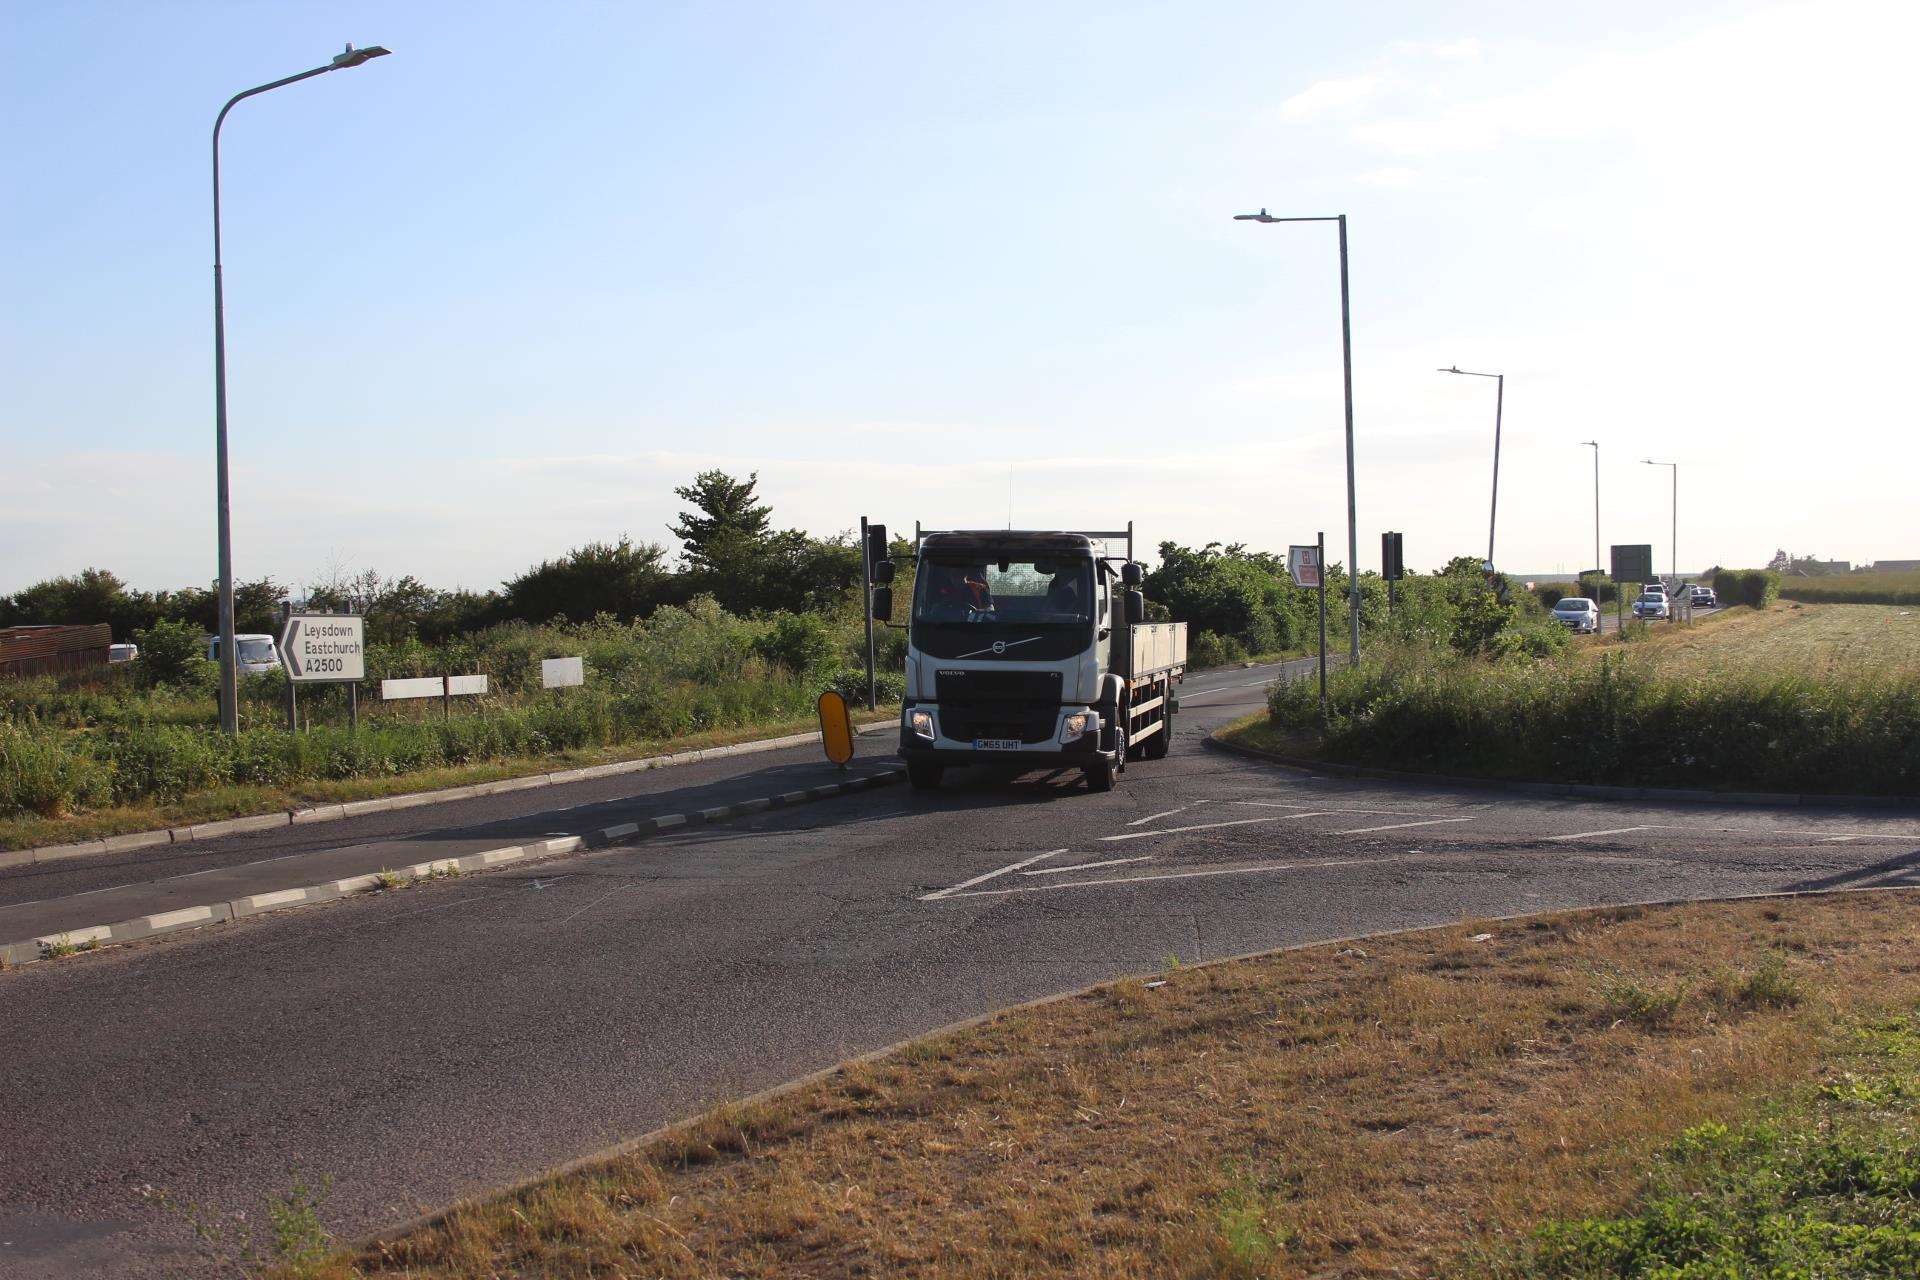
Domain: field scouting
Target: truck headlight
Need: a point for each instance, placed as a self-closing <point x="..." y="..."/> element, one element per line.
<point x="1077" y="725"/>
<point x="921" y="723"/>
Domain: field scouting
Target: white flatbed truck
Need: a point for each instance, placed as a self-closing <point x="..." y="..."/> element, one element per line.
<point x="1029" y="649"/>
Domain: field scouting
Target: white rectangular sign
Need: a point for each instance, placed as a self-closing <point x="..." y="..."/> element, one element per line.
<point x="324" y="646"/>
<point x="1304" y="564"/>
<point x="432" y="687"/>
<point x="412" y="687"/>
<point x="562" y="673"/>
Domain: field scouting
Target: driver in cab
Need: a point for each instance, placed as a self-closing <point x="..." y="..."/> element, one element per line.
<point x="959" y="593"/>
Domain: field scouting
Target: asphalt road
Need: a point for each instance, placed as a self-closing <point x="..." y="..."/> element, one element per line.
<point x="427" y="1044"/>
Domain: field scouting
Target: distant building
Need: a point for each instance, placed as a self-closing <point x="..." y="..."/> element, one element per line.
<point x="1895" y="566"/>
<point x="1829" y="566"/>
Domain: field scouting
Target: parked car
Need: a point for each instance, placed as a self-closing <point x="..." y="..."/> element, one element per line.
<point x="1652" y="604"/>
<point x="1703" y="598"/>
<point x="1578" y="613"/>
<point x="254" y="654"/>
<point x="122" y="652"/>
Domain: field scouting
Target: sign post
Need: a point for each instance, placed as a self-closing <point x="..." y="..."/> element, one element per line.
<point x="1393" y="566"/>
<point x="1306" y="564"/>
<point x="323" y="648"/>
<point x="1630" y="562"/>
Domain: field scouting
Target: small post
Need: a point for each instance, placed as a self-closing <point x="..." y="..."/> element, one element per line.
<point x="1321" y="539"/>
<point x="446" y="699"/>
<point x="353" y="706"/>
<point x="293" y="698"/>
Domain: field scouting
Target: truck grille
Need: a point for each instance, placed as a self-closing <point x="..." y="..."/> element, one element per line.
<point x="998" y="704"/>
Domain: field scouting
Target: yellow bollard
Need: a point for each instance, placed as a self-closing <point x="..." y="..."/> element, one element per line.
<point x="836" y="728"/>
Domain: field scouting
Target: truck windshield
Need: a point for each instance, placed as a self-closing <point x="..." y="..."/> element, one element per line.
<point x="1016" y="592"/>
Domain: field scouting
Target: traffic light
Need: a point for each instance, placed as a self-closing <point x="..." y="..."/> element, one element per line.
<point x="876" y="546"/>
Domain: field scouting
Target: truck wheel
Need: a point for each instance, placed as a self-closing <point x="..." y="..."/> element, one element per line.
<point x="1100" y="776"/>
<point x="925" y="774"/>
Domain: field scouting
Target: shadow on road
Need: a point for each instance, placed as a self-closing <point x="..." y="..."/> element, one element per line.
<point x="1901" y="870"/>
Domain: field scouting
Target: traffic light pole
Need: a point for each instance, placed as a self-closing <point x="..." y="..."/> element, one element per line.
<point x="866" y="609"/>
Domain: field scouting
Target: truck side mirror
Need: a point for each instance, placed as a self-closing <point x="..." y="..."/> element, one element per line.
<point x="1136" y="607"/>
<point x="883" y="572"/>
<point x="883" y="604"/>
<point x="1130" y="574"/>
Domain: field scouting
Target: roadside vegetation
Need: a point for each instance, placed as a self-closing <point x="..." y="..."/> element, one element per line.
<point x="1682" y="1092"/>
<point x="1764" y="696"/>
<point x="1855" y="588"/>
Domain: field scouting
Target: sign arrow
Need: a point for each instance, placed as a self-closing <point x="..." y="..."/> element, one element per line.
<point x="288" y="649"/>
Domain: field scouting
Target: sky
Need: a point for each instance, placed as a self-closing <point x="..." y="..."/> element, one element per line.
<point x="494" y="296"/>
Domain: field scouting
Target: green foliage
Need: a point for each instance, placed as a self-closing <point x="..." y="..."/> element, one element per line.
<point x="172" y="654"/>
<point x="1598" y="587"/>
<point x="38" y="774"/>
<point x="1823" y="1183"/>
<point x="96" y="595"/>
<point x="1757" y="588"/>
<point x="616" y="578"/>
<point x="802" y="643"/>
<point x="851" y="684"/>
<point x="1413" y="707"/>
<point x="1550" y="594"/>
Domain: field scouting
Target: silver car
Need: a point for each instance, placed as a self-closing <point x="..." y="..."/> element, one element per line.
<point x="1652" y="604"/>
<point x="1579" y="614"/>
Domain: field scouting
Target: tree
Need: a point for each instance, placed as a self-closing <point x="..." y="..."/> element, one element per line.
<point x="619" y="578"/>
<point x="727" y="525"/>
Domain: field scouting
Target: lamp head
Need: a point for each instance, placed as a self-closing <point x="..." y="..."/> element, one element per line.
<point x="352" y="57"/>
<point x="1262" y="216"/>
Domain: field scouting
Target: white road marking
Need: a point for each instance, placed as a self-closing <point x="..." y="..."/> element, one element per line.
<point x="1087" y="866"/>
<point x="1395" y="826"/>
<point x="981" y="879"/>
<point x="1610" y="831"/>
<point x="1172" y="875"/>
<point x="1274" y="804"/>
<point x="1221" y="688"/>
<point x="1208" y="826"/>
<point x="1165" y="813"/>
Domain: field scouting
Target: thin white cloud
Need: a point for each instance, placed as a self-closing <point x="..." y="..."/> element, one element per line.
<point x="1328" y="95"/>
<point x="1466" y="47"/>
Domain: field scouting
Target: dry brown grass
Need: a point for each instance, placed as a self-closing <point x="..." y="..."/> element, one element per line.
<point x="1391" y="1108"/>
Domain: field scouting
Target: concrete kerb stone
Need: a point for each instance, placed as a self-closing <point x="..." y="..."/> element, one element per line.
<point x="408" y="800"/>
<point x="199" y="916"/>
<point x="1570" y="790"/>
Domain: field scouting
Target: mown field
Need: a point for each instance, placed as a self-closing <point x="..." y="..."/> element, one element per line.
<point x="1790" y="637"/>
<point x="1701" y="1091"/>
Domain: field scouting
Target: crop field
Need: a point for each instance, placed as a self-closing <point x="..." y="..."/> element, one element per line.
<point x="1790" y="638"/>
<point x="1857" y="588"/>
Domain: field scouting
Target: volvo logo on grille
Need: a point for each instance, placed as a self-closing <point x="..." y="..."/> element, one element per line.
<point x="999" y="646"/>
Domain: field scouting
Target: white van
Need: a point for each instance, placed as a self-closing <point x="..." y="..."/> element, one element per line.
<point x="256" y="653"/>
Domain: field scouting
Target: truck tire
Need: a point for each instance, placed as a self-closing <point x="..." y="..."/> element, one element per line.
<point x="925" y="774"/>
<point x="1100" y="776"/>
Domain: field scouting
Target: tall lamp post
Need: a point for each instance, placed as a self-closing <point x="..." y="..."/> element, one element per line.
<point x="1598" y="567"/>
<point x="229" y="699"/>
<point x="1499" y="406"/>
<point x="1674" y="564"/>
<point x="1346" y="360"/>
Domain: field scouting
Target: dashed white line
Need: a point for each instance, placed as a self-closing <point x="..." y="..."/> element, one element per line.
<point x="1610" y="831"/>
<point x="1208" y="826"/>
<point x="1395" y="826"/>
<point x="1172" y="875"/>
<point x="980" y="879"/>
<point x="1165" y="813"/>
<point x="1088" y="866"/>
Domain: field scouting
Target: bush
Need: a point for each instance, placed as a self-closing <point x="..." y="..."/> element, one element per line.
<point x="39" y="775"/>
<point x="164" y="761"/>
<point x="851" y="684"/>
<point x="173" y="654"/>
<point x="1206" y="649"/>
<point x="1598" y="587"/>
<point x="1413" y="708"/>
<point x="1550" y="594"/>
<point x="1757" y="588"/>
<point x="802" y="643"/>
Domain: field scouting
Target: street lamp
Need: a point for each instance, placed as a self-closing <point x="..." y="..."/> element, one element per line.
<point x="1346" y="359"/>
<point x="229" y="700"/>
<point x="1597" y="566"/>
<point x="1499" y="405"/>
<point x="1674" y="564"/>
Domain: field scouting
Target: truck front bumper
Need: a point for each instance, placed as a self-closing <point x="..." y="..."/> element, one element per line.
<point x="1053" y="753"/>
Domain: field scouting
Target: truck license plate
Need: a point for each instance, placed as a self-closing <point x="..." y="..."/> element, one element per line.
<point x="996" y="744"/>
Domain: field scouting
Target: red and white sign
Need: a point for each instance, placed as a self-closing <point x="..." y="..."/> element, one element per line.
<point x="1304" y="564"/>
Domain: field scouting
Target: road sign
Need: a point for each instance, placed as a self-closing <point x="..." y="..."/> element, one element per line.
<point x="836" y="727"/>
<point x="317" y="647"/>
<point x="1633" y="563"/>
<point x="562" y="673"/>
<point x="1303" y="562"/>
<point x="1393" y="564"/>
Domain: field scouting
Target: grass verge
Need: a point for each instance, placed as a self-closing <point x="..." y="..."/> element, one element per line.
<point x="28" y="831"/>
<point x="1485" y="1098"/>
